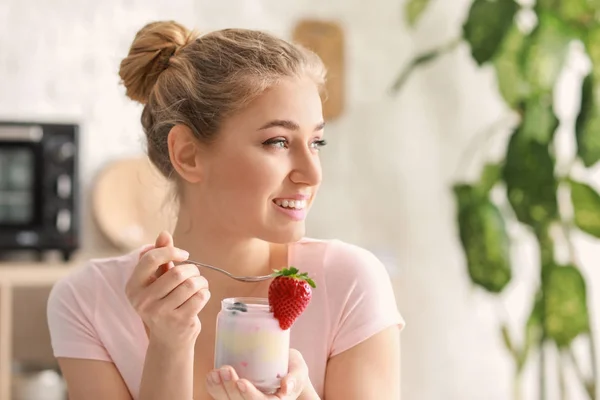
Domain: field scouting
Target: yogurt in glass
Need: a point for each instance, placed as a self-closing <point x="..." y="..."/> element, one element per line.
<point x="249" y="338"/>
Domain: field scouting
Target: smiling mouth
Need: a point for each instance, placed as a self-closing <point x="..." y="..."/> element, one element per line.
<point x="290" y="204"/>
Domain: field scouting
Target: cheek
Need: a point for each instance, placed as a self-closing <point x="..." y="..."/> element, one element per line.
<point x="246" y="179"/>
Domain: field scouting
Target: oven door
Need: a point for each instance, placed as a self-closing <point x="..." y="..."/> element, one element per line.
<point x="21" y="177"/>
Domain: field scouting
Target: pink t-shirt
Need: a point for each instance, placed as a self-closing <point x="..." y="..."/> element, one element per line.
<point x="90" y="317"/>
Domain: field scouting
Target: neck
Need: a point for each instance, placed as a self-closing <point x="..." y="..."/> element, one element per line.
<point x="236" y="255"/>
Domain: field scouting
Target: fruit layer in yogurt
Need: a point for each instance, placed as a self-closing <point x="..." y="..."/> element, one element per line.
<point x="250" y="340"/>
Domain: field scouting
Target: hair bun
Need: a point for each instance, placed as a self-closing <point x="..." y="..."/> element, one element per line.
<point x="149" y="55"/>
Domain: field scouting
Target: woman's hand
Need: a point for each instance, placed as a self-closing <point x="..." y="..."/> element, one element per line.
<point x="224" y="383"/>
<point x="168" y="298"/>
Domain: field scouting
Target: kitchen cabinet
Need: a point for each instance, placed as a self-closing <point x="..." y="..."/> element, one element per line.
<point x="22" y="275"/>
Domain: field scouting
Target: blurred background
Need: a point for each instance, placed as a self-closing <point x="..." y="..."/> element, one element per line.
<point x="473" y="176"/>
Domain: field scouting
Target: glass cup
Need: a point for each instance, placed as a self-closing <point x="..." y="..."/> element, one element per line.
<point x="249" y="339"/>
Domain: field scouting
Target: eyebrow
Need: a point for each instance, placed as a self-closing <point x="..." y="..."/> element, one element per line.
<point x="289" y="125"/>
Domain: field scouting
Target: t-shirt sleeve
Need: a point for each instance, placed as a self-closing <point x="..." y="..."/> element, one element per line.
<point x="70" y="312"/>
<point x="361" y="298"/>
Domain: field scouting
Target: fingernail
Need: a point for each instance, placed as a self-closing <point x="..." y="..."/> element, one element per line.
<point x="225" y="374"/>
<point x="290" y="386"/>
<point x="182" y="253"/>
<point x="242" y="386"/>
<point x="215" y="377"/>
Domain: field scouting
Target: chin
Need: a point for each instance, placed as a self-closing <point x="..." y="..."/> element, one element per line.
<point x="285" y="235"/>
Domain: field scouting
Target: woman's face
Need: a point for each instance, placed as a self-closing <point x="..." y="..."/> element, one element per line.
<point x="261" y="175"/>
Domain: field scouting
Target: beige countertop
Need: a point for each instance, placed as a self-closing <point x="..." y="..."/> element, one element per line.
<point x="39" y="273"/>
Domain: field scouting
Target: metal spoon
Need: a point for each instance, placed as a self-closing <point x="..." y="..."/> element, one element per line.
<point x="237" y="278"/>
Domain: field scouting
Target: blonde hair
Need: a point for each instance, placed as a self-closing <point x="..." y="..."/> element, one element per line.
<point x="183" y="78"/>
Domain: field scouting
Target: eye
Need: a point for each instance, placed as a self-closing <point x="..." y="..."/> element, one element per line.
<point x="279" y="143"/>
<point x="318" y="144"/>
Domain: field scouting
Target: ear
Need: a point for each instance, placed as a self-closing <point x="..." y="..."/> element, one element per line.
<point x="185" y="153"/>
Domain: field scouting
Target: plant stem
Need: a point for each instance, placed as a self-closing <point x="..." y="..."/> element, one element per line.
<point x="567" y="228"/>
<point x="542" y="370"/>
<point x="546" y="249"/>
<point x="595" y="377"/>
<point x="480" y="139"/>
<point x="422" y="59"/>
<point x="590" y="388"/>
<point x="546" y="261"/>
<point x="561" y="377"/>
<point x="517" y="385"/>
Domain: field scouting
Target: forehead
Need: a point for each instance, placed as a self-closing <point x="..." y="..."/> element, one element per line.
<point x="293" y="99"/>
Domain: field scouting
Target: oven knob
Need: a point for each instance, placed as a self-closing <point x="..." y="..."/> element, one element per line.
<point x="63" y="221"/>
<point x="63" y="151"/>
<point x="63" y="186"/>
<point x="27" y="238"/>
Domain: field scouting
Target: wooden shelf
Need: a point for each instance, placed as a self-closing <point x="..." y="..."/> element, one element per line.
<point x="25" y="274"/>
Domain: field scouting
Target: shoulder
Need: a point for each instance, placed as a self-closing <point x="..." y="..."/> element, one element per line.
<point x="340" y="262"/>
<point x="343" y="270"/>
<point x="84" y="282"/>
<point x="354" y="289"/>
<point x="74" y="302"/>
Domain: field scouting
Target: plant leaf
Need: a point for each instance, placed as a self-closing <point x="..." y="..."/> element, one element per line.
<point x="545" y="52"/>
<point x="586" y="205"/>
<point x="484" y="239"/>
<point x="530" y="183"/>
<point x="487" y="23"/>
<point x="587" y="126"/>
<point x="592" y="46"/>
<point x="566" y="313"/>
<point x="539" y="120"/>
<point x="511" y="83"/>
<point x="576" y="11"/>
<point x="491" y="174"/>
<point x="414" y="9"/>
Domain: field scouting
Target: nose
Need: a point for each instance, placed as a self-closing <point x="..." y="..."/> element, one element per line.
<point x="306" y="167"/>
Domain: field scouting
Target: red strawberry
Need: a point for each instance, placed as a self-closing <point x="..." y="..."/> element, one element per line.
<point x="289" y="295"/>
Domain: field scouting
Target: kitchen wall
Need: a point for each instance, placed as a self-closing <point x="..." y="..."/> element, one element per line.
<point x="388" y="168"/>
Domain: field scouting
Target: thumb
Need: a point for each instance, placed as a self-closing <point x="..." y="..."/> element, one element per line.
<point x="164" y="239"/>
<point x="297" y="377"/>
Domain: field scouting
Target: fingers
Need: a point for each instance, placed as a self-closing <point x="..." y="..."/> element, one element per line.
<point x="174" y="278"/>
<point x="292" y="384"/>
<point x="214" y="386"/>
<point x="153" y="259"/>
<point x="182" y="291"/>
<point x="222" y="384"/>
<point x="250" y="392"/>
<point x="195" y="303"/>
<point x="229" y="378"/>
<point x="146" y="249"/>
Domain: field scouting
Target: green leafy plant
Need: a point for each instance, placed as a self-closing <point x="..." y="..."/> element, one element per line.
<point x="527" y="63"/>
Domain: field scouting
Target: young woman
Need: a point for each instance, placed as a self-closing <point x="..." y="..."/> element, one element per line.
<point x="234" y="119"/>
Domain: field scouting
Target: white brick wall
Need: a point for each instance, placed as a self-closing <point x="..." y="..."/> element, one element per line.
<point x="59" y="59"/>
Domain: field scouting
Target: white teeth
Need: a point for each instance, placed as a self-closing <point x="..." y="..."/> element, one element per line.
<point x="296" y="204"/>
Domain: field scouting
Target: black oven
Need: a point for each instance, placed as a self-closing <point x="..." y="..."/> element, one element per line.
<point x="39" y="187"/>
